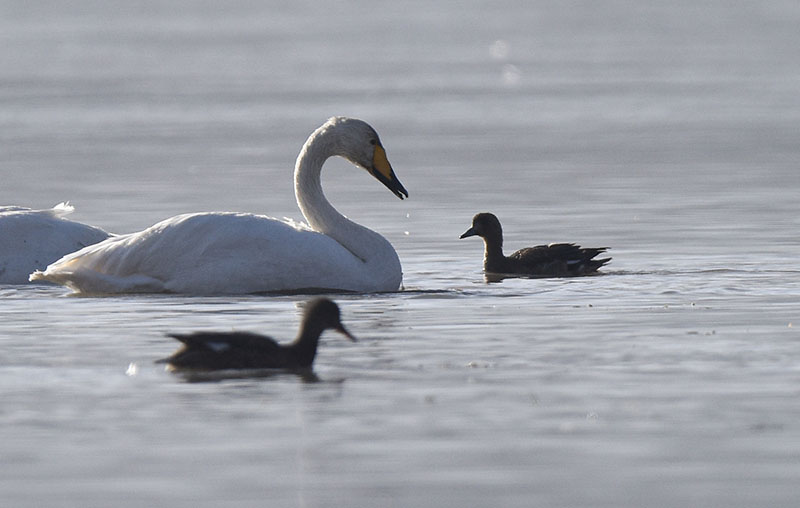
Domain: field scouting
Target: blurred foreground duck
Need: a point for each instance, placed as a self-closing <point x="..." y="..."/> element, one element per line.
<point x="242" y="350"/>
<point x="554" y="260"/>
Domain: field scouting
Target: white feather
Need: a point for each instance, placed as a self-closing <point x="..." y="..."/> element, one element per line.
<point x="32" y="239"/>
<point x="218" y="347"/>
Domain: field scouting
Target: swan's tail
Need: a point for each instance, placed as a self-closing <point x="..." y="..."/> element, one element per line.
<point x="62" y="209"/>
<point x="37" y="275"/>
<point x="90" y="282"/>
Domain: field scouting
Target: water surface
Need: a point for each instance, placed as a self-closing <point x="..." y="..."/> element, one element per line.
<point x="667" y="133"/>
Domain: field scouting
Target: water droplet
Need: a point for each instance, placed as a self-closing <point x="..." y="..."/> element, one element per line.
<point x="499" y="49"/>
<point x="132" y="369"/>
<point x="511" y="75"/>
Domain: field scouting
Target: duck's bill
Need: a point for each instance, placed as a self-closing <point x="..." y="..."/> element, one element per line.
<point x="469" y="232"/>
<point x="382" y="170"/>
<point x="341" y="329"/>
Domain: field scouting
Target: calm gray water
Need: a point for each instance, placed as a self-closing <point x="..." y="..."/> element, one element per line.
<point x="667" y="131"/>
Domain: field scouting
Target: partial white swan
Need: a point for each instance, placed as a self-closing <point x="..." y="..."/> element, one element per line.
<point x="219" y="253"/>
<point x="32" y="239"/>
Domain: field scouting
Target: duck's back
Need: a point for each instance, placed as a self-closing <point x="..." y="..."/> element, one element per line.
<point x="211" y="253"/>
<point x="556" y="259"/>
<point x="217" y="351"/>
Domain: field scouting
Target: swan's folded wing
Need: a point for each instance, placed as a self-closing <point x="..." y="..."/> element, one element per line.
<point x="208" y="253"/>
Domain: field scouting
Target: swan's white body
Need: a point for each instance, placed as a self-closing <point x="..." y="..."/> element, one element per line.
<point x="32" y="239"/>
<point x="225" y="253"/>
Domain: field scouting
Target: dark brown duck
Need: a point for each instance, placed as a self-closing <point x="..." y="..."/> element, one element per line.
<point x="554" y="260"/>
<point x="242" y="350"/>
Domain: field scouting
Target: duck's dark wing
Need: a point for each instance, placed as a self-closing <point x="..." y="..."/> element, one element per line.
<point x="559" y="259"/>
<point x="212" y="350"/>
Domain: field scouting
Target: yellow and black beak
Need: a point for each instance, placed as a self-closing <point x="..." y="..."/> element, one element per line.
<point x="382" y="170"/>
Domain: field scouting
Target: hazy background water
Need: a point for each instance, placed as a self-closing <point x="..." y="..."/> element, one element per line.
<point x="667" y="131"/>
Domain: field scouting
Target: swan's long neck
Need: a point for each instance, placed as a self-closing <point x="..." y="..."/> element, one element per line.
<point x="320" y="214"/>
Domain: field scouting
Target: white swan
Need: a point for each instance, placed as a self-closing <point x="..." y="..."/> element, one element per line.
<point x="32" y="239"/>
<point x="218" y="253"/>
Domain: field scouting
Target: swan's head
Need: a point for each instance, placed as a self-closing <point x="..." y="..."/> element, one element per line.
<point x="357" y="142"/>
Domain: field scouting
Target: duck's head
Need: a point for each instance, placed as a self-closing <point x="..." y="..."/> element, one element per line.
<point x="485" y="225"/>
<point x="358" y="142"/>
<point x="323" y="314"/>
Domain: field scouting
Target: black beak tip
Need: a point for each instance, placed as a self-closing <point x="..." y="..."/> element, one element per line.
<point x="467" y="234"/>
<point x="393" y="184"/>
